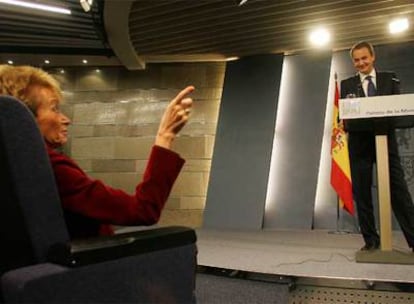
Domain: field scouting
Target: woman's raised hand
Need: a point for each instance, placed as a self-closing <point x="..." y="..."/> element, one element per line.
<point x="174" y="118"/>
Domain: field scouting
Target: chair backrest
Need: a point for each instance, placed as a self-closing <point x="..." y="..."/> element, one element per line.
<point x="31" y="217"/>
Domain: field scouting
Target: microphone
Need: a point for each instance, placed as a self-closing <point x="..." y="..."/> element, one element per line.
<point x="360" y="91"/>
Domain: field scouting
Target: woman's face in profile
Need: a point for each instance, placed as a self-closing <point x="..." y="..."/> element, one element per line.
<point x="52" y="123"/>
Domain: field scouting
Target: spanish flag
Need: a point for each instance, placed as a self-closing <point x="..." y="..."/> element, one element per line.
<point x="340" y="168"/>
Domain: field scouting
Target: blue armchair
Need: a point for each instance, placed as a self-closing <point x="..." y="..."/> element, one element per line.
<point x="41" y="265"/>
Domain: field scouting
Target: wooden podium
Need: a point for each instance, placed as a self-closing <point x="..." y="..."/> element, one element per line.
<point x="380" y="114"/>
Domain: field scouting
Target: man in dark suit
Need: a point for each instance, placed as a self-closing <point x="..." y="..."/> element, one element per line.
<point x="370" y="82"/>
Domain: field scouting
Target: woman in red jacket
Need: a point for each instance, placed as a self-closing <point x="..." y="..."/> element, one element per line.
<point x="90" y="206"/>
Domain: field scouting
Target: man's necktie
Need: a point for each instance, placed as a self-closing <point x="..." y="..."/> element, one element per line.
<point x="371" y="91"/>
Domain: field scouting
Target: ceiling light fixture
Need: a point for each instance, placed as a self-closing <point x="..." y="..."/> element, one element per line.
<point x="47" y="61"/>
<point x="84" y="61"/>
<point x="398" y="25"/>
<point x="43" y="7"/>
<point x="86" y="5"/>
<point x="10" y="61"/>
<point x="242" y="2"/>
<point x="320" y="37"/>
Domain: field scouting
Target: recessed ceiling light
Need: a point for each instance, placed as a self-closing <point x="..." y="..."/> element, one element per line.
<point x="47" y="61"/>
<point x="86" y="5"/>
<point x="10" y="61"/>
<point x="84" y="61"/>
<point x="37" y="6"/>
<point x="398" y="25"/>
<point x="320" y="37"/>
<point x="62" y="71"/>
<point x="98" y="70"/>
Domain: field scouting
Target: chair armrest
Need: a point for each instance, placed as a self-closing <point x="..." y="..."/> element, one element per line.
<point x="100" y="249"/>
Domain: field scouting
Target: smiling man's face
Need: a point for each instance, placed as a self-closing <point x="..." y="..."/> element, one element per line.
<point x="363" y="60"/>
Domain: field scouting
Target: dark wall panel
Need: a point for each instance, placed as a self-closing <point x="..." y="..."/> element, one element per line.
<point x="242" y="151"/>
<point x="400" y="59"/>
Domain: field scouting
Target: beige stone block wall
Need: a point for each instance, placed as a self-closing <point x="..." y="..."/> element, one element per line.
<point x="115" y="115"/>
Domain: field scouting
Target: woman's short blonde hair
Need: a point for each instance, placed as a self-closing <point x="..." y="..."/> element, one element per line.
<point x="17" y="81"/>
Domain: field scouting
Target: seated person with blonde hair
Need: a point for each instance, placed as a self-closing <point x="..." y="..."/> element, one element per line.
<point x="90" y="206"/>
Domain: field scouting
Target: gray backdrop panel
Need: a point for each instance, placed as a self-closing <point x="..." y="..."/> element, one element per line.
<point x="300" y="148"/>
<point x="244" y="138"/>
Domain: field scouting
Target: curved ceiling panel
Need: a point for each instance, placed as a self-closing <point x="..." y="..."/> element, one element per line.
<point x="28" y="30"/>
<point x="28" y="36"/>
<point x="166" y="30"/>
<point x="142" y="31"/>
